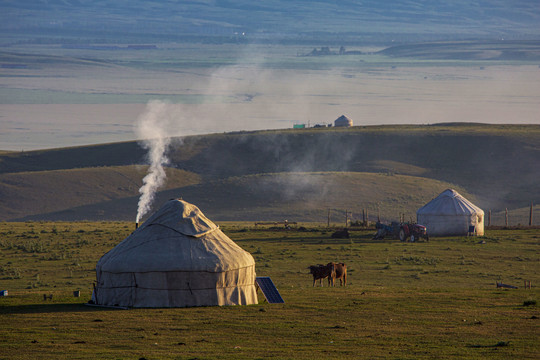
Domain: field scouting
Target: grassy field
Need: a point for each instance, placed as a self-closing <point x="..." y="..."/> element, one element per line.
<point x="434" y="299"/>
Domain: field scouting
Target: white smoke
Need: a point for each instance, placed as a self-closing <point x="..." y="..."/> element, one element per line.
<point x="153" y="128"/>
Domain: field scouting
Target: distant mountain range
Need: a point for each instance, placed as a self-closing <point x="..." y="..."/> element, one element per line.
<point x="332" y="21"/>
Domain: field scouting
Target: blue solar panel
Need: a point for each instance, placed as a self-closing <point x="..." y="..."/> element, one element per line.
<point x="269" y="290"/>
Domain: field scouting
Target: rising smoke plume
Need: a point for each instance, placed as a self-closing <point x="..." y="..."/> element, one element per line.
<point x="152" y="129"/>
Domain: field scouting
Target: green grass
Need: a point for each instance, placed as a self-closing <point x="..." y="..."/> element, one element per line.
<point x="434" y="299"/>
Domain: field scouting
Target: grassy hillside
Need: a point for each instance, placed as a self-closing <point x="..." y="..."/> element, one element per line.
<point x="497" y="163"/>
<point x="468" y="50"/>
<point x="285" y="174"/>
<point x="293" y="196"/>
<point x="45" y="191"/>
<point x="310" y="196"/>
<point x="116" y="154"/>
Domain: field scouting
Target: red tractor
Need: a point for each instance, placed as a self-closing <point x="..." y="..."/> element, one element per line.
<point x="415" y="231"/>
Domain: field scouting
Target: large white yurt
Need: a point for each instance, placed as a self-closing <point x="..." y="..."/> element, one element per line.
<point x="177" y="258"/>
<point x="451" y="214"/>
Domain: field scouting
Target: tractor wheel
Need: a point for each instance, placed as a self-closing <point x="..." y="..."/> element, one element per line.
<point x="402" y="235"/>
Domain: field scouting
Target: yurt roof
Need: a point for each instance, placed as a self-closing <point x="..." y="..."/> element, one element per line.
<point x="343" y="118"/>
<point x="178" y="237"/>
<point x="450" y="202"/>
<point x="182" y="217"/>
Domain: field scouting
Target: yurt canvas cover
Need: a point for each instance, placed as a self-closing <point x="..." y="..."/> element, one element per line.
<point x="450" y="214"/>
<point x="343" y="121"/>
<point x="177" y="258"/>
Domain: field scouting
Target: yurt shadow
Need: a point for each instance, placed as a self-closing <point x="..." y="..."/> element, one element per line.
<point x="50" y="308"/>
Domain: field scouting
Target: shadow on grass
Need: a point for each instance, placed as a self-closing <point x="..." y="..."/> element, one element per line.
<point x="50" y="308"/>
<point x="499" y="344"/>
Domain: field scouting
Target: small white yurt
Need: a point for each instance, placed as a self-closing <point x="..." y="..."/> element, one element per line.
<point x="177" y="258"/>
<point x="343" y="121"/>
<point x="451" y="214"/>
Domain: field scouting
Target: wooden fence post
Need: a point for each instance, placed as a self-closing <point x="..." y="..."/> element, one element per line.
<point x="506" y="217"/>
<point x="530" y="214"/>
<point x="328" y="217"/>
<point x="364" y="217"/>
<point x="367" y="218"/>
<point x="489" y="217"/>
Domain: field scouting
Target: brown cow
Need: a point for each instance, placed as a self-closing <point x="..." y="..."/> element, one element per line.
<point x="337" y="271"/>
<point x="320" y="272"/>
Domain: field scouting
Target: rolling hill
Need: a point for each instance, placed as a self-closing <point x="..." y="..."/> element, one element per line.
<point x="299" y="175"/>
<point x="468" y="50"/>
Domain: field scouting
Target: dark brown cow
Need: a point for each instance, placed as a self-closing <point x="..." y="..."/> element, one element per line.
<point x="337" y="271"/>
<point x="320" y="272"/>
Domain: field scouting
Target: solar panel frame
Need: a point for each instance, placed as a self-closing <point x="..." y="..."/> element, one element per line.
<point x="269" y="290"/>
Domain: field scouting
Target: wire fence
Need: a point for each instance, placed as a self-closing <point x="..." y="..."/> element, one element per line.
<point x="514" y="217"/>
<point x="526" y="216"/>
